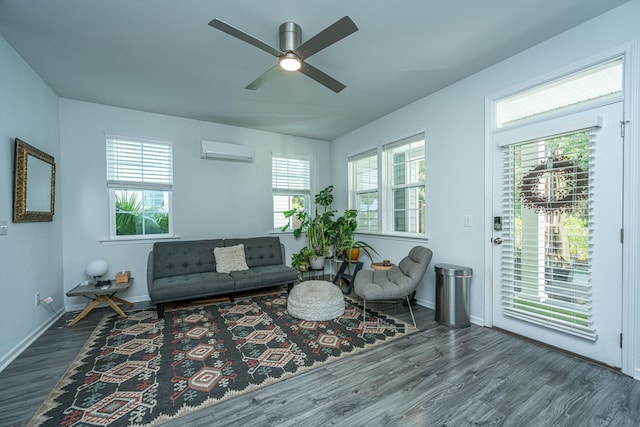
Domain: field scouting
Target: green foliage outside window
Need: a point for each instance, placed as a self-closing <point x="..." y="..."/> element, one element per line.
<point x="577" y="233"/>
<point x="133" y="219"/>
<point x="577" y="230"/>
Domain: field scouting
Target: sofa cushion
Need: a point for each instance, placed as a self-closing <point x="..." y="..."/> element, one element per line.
<point x="230" y="258"/>
<point x="276" y="274"/>
<point x="248" y="279"/>
<point x="259" y="251"/>
<point x="184" y="257"/>
<point x="267" y="275"/>
<point x="196" y="285"/>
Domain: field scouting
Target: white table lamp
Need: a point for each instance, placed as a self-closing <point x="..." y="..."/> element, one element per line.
<point x="96" y="269"/>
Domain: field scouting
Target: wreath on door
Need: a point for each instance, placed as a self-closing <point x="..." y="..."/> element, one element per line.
<point x="574" y="183"/>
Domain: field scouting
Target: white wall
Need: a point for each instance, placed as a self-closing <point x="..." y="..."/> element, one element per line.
<point x="30" y="257"/>
<point x="455" y="185"/>
<point x="454" y="122"/>
<point x="211" y="198"/>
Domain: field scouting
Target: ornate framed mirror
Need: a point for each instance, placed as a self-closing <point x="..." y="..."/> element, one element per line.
<point x="33" y="185"/>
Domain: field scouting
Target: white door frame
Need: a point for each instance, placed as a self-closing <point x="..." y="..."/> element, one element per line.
<point x="631" y="198"/>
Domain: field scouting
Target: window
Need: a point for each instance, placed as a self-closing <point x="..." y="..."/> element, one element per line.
<point x="406" y="189"/>
<point x="363" y="173"/>
<point x="597" y="82"/>
<point x="291" y="186"/>
<point x="140" y="183"/>
<point x="391" y="200"/>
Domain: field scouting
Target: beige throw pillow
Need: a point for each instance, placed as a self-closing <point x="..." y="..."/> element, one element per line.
<point x="230" y="259"/>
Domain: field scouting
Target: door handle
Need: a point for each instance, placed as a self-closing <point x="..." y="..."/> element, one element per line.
<point x="497" y="241"/>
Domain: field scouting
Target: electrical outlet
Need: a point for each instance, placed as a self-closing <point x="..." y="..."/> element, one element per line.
<point x="37" y="299"/>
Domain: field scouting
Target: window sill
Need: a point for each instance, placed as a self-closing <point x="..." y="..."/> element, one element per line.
<point x="397" y="236"/>
<point x="280" y="232"/>
<point x="137" y="240"/>
<point x="390" y="236"/>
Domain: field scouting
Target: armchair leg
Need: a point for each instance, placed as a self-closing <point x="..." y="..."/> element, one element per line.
<point x="411" y="311"/>
<point x="411" y="299"/>
<point x="364" y="316"/>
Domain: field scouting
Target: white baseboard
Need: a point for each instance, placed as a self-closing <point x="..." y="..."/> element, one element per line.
<point x="10" y="356"/>
<point x="426" y="303"/>
<point x="477" y="320"/>
<point x="430" y="304"/>
<point x="636" y="375"/>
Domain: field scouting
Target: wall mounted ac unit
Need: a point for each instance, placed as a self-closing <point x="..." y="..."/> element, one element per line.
<point x="222" y="150"/>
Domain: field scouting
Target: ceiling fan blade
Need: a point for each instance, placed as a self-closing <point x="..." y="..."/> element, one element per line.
<point x="239" y="34"/>
<point x="333" y="33"/>
<point x="267" y="75"/>
<point x="322" y="78"/>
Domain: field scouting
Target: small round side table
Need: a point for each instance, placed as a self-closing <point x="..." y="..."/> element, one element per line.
<point x="381" y="266"/>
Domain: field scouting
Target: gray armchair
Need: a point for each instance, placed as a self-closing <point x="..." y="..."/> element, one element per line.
<point x="398" y="282"/>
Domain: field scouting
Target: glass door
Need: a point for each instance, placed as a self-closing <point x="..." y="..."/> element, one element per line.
<point x="558" y="255"/>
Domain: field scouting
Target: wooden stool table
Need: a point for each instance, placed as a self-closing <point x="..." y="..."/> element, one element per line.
<point x="98" y="294"/>
<point x="381" y="266"/>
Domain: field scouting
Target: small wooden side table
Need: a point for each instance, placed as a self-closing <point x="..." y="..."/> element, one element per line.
<point x="98" y="294"/>
<point x="381" y="266"/>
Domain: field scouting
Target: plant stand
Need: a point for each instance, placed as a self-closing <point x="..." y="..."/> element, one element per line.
<point x="345" y="275"/>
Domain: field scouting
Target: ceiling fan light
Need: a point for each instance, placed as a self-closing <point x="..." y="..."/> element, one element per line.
<point x="290" y="62"/>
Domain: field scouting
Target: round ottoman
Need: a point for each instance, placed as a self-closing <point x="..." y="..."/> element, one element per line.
<point x="315" y="300"/>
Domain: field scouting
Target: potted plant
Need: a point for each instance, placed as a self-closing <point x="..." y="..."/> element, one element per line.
<point x="352" y="249"/>
<point x="317" y="228"/>
<point x="300" y="261"/>
<point x="342" y="230"/>
<point x="347" y="247"/>
<point x="318" y="243"/>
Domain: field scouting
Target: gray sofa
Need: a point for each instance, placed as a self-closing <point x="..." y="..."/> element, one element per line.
<point x="183" y="270"/>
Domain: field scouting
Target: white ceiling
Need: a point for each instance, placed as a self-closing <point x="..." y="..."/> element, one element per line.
<point x="161" y="56"/>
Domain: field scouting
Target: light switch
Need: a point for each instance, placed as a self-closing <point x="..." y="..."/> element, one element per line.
<point x="4" y="228"/>
<point x="468" y="220"/>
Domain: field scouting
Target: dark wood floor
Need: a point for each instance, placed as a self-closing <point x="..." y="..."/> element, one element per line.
<point x="435" y="377"/>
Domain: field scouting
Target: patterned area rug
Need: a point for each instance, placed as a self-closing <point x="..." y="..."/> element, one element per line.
<point x="140" y="371"/>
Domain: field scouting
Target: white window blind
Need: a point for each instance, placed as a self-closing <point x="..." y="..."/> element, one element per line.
<point x="363" y="188"/>
<point x="140" y="164"/>
<point x="290" y="174"/>
<point x="548" y="222"/>
<point x="291" y="186"/>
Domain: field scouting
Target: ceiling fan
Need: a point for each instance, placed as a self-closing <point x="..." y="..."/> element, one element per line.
<point x="293" y="54"/>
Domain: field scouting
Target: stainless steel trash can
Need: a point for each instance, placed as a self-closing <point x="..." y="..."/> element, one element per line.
<point x="452" y="295"/>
